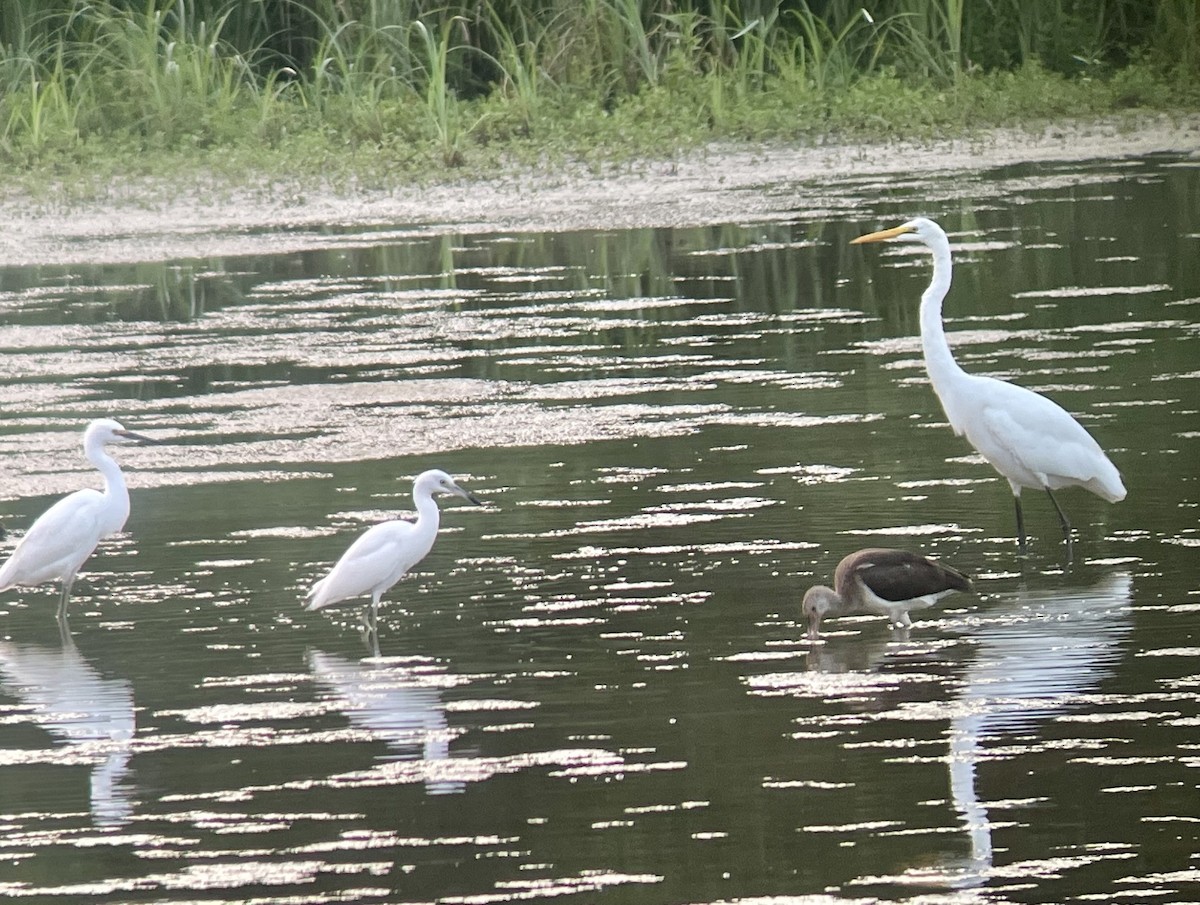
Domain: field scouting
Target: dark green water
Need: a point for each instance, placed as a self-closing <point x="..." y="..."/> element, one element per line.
<point x="596" y="688"/>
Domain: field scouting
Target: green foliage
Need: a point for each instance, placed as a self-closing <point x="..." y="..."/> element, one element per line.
<point x="1177" y="38"/>
<point x="401" y="85"/>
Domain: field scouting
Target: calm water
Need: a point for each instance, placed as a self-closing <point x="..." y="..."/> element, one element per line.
<point x="597" y="688"/>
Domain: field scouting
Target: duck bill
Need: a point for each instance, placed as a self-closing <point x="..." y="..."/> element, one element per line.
<point x="883" y="235"/>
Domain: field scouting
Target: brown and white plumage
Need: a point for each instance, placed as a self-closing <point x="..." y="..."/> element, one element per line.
<point x="883" y="582"/>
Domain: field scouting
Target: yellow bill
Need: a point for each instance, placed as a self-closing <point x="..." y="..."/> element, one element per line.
<point x="883" y="234"/>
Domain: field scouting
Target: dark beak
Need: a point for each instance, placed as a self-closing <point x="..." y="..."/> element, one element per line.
<point x="136" y="438"/>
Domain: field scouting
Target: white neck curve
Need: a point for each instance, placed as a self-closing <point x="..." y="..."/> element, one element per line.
<point x="114" y="480"/>
<point x="944" y="372"/>
<point x="428" y="513"/>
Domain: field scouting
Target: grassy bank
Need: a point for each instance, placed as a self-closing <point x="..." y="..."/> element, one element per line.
<point x="386" y="90"/>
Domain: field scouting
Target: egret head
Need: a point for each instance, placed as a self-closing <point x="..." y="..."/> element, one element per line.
<point x="104" y="431"/>
<point x="919" y="229"/>
<point x="818" y="602"/>
<point x="437" y="481"/>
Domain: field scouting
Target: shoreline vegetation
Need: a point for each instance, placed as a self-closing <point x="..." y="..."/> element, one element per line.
<point x="380" y="93"/>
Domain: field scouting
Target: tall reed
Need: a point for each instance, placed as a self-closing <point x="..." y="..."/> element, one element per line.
<point x="439" y="96"/>
<point x="399" y="73"/>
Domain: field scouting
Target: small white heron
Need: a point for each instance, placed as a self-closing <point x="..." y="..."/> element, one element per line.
<point x="1030" y="440"/>
<point x="882" y="582"/>
<point x="61" y="540"/>
<point x="387" y="551"/>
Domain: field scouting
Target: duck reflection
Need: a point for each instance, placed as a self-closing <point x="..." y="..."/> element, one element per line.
<point x="1034" y="656"/>
<point x="397" y="700"/>
<point x="67" y="696"/>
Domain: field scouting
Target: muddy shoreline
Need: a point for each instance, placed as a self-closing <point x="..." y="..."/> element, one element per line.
<point x="716" y="184"/>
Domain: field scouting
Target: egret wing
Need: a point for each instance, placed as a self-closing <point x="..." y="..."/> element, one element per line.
<point x="58" y="542"/>
<point x="1033" y="440"/>
<point x="370" y="561"/>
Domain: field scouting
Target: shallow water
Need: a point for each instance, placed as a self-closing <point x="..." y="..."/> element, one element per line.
<point x="597" y="685"/>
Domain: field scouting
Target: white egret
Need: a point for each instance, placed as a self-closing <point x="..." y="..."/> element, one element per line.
<point x="884" y="583"/>
<point x="1030" y="440"/>
<point x="65" y="535"/>
<point x="386" y="552"/>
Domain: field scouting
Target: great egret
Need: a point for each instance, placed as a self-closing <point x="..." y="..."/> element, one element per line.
<point x="1030" y="440"/>
<point x="884" y="583"/>
<point x="385" y="553"/>
<point x="65" y="535"/>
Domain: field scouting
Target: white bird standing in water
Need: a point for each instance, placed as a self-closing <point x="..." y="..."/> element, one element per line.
<point x="65" y="535"/>
<point x="1030" y="440"/>
<point x="884" y="583"/>
<point x="387" y="551"/>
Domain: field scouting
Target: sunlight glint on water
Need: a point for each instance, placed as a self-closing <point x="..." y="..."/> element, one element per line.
<point x="598" y="686"/>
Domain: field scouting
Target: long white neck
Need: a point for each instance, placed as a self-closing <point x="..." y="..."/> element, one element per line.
<point x="939" y="360"/>
<point x="114" y="484"/>
<point x="114" y="481"/>
<point x="428" y="514"/>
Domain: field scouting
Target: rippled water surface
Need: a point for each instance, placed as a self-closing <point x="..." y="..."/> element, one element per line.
<point x="597" y="687"/>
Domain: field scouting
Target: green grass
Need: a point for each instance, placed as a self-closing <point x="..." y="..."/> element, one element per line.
<point x="384" y="90"/>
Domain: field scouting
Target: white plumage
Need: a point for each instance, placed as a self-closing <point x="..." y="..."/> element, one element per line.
<point x="1030" y="440"/>
<point x="61" y="540"/>
<point x="387" y="551"/>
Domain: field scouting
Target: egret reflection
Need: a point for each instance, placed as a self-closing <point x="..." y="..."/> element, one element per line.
<point x="1035" y="655"/>
<point x="93" y="715"/>
<point x="396" y="700"/>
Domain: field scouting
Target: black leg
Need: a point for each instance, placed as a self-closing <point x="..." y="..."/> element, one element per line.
<point x="1066" y="527"/>
<point x="1062" y="516"/>
<point x="1020" y="524"/>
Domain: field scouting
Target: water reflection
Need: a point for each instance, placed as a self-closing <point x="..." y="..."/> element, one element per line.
<point x="398" y="701"/>
<point x="93" y="715"/>
<point x="1036" y="655"/>
<point x="608" y="667"/>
